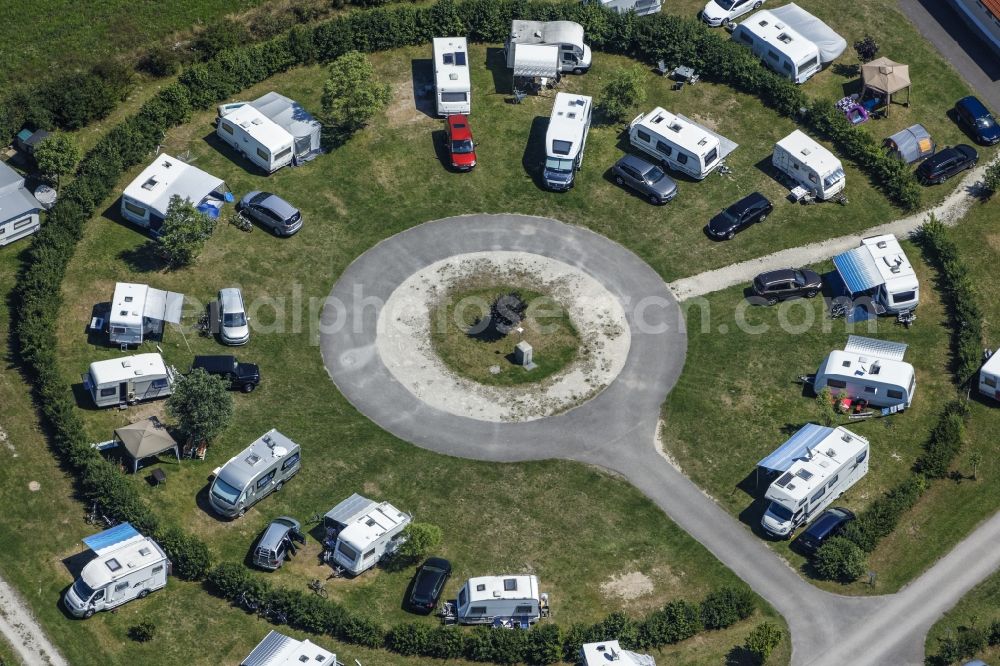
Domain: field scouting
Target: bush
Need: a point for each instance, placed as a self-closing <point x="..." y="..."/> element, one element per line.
<point x="544" y="644"/>
<point x="866" y="48"/>
<point x="446" y="642"/>
<point x="944" y="443"/>
<point x="624" y="91"/>
<point x="621" y="627"/>
<point x="762" y="640"/>
<point x="228" y="580"/>
<point x="675" y="622"/>
<point x="202" y="405"/>
<point x="160" y="61"/>
<point x="840" y="559"/>
<point x="184" y="233"/>
<point x="726" y="607"/>
<point x="993" y="633"/>
<point x="421" y="538"/>
<point x="964" y="644"/>
<point x="409" y="638"/>
<point x="991" y="180"/>
<point x="827" y="409"/>
<point x="189" y="555"/>
<point x="219" y="36"/>
<point x="56" y="156"/>
<point x="881" y="517"/>
<point x="352" y="95"/>
<point x="496" y="645"/>
<point x="142" y="632"/>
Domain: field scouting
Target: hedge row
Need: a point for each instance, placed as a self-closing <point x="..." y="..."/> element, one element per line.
<point x="959" y="296"/>
<point x="944" y="443"/>
<point x="964" y="644"/>
<point x="881" y="517"/>
<point x="544" y="643"/>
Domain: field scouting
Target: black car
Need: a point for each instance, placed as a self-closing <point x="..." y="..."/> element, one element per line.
<point x="977" y="120"/>
<point x="743" y="213"/>
<point x="828" y="525"/>
<point x="428" y="584"/>
<point x="645" y="178"/>
<point x="946" y="163"/>
<point x="271" y="211"/>
<point x="242" y="376"/>
<point x="774" y="286"/>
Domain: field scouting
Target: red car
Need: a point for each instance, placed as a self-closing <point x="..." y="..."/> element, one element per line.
<point x="461" y="147"/>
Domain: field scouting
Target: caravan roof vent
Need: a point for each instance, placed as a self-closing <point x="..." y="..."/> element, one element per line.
<point x="846" y="437"/>
<point x="453" y="76"/>
<point x="509" y="584"/>
<point x="875" y="368"/>
<point x="113" y="564"/>
<point x="804" y="474"/>
<point x="677" y="127"/>
<point x="762" y="23"/>
<point x="881" y="245"/>
<point x="480" y="587"/>
<point x="267" y="440"/>
<point x="785" y="38"/>
<point x="846" y="364"/>
<point x="252" y="459"/>
<point x="806" y="151"/>
<point x="704" y="140"/>
<point x="128" y="299"/>
<point x="149" y="184"/>
<point x="538" y="34"/>
<point x="126" y="363"/>
<point x="123" y="313"/>
<point x="830" y="453"/>
<point x="144" y="551"/>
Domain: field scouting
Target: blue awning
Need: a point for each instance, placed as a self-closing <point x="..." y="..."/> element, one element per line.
<point x="857" y="269"/>
<point x="806" y="438"/>
<point x="111" y="537"/>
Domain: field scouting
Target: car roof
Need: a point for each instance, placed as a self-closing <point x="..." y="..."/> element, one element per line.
<point x="973" y="106"/>
<point x="437" y="563"/>
<point x="459" y="125"/>
<point x="276" y="531"/>
<point x="230" y="296"/>
<point x="777" y="276"/>
<point x="278" y="205"/>
<point x="750" y="199"/>
<point x="636" y="162"/>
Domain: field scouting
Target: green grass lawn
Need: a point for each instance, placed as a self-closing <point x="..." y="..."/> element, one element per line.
<point x="7" y="655"/>
<point x="979" y="608"/>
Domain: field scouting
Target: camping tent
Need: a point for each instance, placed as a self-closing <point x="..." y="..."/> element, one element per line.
<point x="826" y="39"/>
<point x="885" y="78"/>
<point x="146" y="439"/>
<point x="911" y="144"/>
<point x="290" y="116"/>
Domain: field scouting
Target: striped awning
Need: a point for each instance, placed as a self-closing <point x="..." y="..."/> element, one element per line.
<point x="807" y="437"/>
<point x="862" y="346"/>
<point x="112" y="538"/>
<point x="857" y="269"/>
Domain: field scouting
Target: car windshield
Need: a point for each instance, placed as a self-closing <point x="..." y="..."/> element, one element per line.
<point x="556" y="164"/>
<point x="461" y="146"/>
<point x="260" y="197"/>
<point x="82" y="590"/>
<point x="224" y="491"/>
<point x="231" y="319"/>
<point x="833" y="178"/>
<point x="725" y="4"/>
<point x="728" y="215"/>
<point x="780" y="511"/>
<point x="654" y="175"/>
<point x="985" y="122"/>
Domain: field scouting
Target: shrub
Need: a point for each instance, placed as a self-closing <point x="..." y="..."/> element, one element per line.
<point x="496" y="645"/>
<point x="219" y="36"/>
<point x="762" y="640"/>
<point x="228" y="580"/>
<point x="840" y="559"/>
<point x="993" y="633"/>
<point x="881" y="517"/>
<point x="573" y="640"/>
<point x="446" y="642"/>
<point x="56" y="156"/>
<point x="625" y="90"/>
<point x="545" y="643"/>
<point x="189" y="555"/>
<point x="160" y="61"/>
<point x="964" y="644"/>
<point x="421" y="538"/>
<point x="202" y="405"/>
<point x="675" y="622"/>
<point x="409" y="638"/>
<point x="991" y="180"/>
<point x="726" y="607"/>
<point x="944" y="443"/>
<point x="619" y="626"/>
<point x="75" y="100"/>
<point x="184" y="233"/>
<point x="142" y="632"/>
<point x="827" y="409"/>
<point x="352" y="95"/>
<point x="866" y="48"/>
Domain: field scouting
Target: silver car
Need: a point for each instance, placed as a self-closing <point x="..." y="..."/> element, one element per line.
<point x="272" y="212"/>
<point x="234" y="327"/>
<point x="645" y="178"/>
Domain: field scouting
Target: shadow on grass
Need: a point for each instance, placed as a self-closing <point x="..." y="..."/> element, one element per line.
<point x="201" y="500"/>
<point x="740" y="656"/>
<point x="422" y="76"/>
<point x="533" y="159"/>
<point x="496" y="63"/>
<point x="233" y="155"/>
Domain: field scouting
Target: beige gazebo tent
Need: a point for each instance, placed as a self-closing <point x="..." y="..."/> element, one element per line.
<point x="146" y="439"/>
<point x="885" y="77"/>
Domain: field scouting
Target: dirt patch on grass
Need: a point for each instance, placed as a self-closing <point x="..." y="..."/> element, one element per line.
<point x="628" y="586"/>
<point x="402" y="110"/>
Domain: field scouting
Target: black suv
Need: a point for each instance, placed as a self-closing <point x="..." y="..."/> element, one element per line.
<point x="242" y="376"/>
<point x="977" y="120"/>
<point x="946" y="163"/>
<point x="743" y="213"/>
<point x="774" y="286"/>
<point x="428" y="585"/>
<point x="828" y="525"/>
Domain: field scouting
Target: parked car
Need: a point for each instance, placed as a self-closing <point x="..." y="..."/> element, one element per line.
<point x="271" y="212"/>
<point x="718" y="12"/>
<point x="828" y="525"/>
<point x="277" y="543"/>
<point x="428" y="584"/>
<point x="977" y="120"/>
<point x="461" y="147"/>
<point x="645" y="178"/>
<point x="242" y="376"/>
<point x="234" y="327"/>
<point x="946" y="163"/>
<point x="748" y="210"/>
<point x="774" y="286"/>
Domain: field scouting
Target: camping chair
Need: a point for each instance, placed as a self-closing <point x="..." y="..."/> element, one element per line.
<point x="678" y="85"/>
<point x="661" y="67"/>
<point x="519" y="96"/>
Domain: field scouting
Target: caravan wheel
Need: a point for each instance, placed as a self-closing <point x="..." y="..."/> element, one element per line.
<point x="278" y="486"/>
<point x="757" y="5"/>
<point x="144" y="594"/>
<point x="88" y="613"/>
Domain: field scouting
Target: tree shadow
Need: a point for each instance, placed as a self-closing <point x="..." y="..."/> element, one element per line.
<point x="503" y="78"/>
<point x="144" y="258"/>
<point x="848" y="71"/>
<point x="740" y="656"/>
<point x="533" y="159"/>
<point x="422" y="77"/>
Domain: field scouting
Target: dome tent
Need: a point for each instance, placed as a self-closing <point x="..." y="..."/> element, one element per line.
<point x="911" y="144"/>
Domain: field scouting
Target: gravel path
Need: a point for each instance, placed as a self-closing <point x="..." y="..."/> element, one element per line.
<point x="18" y="626"/>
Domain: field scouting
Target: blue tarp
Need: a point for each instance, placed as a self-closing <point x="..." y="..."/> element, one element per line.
<point x="110" y="537"/>
<point x="807" y="437"/>
<point x="857" y="269"/>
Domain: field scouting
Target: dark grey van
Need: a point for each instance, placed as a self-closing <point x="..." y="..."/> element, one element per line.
<point x="277" y="543"/>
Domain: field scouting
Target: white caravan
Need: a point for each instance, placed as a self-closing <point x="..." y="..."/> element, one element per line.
<point x="147" y="198"/>
<point x="360" y="532"/>
<point x="138" y="310"/>
<point x="810" y="165"/>
<point x="486" y="599"/>
<point x="127" y="566"/>
<point x="679" y="143"/>
<point x="257" y="137"/>
<point x="566" y="139"/>
<point x="123" y="381"/>
<point x="780" y="46"/>
<point x="878" y="268"/>
<point x="19" y="209"/>
<point x="278" y="649"/>
<point x="254" y="473"/>
<point x="574" y="55"/>
<point x="871" y="370"/>
<point x="452" y="86"/>
<point x="640" y="7"/>
<point x="816" y="465"/>
<point x="610" y="653"/>
<point x="989" y="377"/>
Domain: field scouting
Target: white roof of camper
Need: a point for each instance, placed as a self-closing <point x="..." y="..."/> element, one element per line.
<point x="992" y="364"/>
<point x="610" y="653"/>
<point x="122" y="369"/>
<point x="780" y="36"/>
<point x="803" y="147"/>
<point x="855" y="366"/>
<point x="120" y="550"/>
<point x="287" y="114"/>
<point x="259" y="127"/>
<point x="546" y="32"/>
<point x="131" y="302"/>
<point x="827" y="41"/>
<point x="451" y="62"/>
<point x="567" y="123"/>
<point x="168" y="176"/>
<point x="683" y="131"/>
<point x="368" y="527"/>
<point x="278" y="649"/>
<point x="494" y="587"/>
<point x="817" y="464"/>
<point x="891" y="262"/>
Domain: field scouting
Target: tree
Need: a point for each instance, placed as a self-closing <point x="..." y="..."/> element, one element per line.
<point x="623" y="92"/>
<point x="352" y="95"/>
<point x="56" y="156"/>
<point x="974" y="459"/>
<point x="421" y="538"/>
<point x="840" y="559"/>
<point x="762" y="640"/>
<point x="184" y="232"/>
<point x="866" y="48"/>
<point x="142" y="632"/>
<point x="827" y="411"/>
<point x="991" y="181"/>
<point x="202" y="405"/>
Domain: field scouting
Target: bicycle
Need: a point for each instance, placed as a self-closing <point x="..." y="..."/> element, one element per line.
<point x="838" y="310"/>
<point x="248" y="603"/>
<point x="318" y="587"/>
<point x="273" y="615"/>
<point x="906" y="318"/>
<point x="98" y="518"/>
<point x="241" y="221"/>
<point x="205" y="326"/>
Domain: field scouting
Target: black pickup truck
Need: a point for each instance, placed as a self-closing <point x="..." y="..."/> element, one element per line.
<point x="242" y="376"/>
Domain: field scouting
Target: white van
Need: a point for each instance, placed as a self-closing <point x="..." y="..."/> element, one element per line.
<point x="234" y="325"/>
<point x="810" y="165"/>
<point x="574" y="55"/>
<point x="452" y="85"/>
<point x="124" y="381"/>
<point x="566" y="140"/>
<point x="679" y="143"/>
<point x="127" y="566"/>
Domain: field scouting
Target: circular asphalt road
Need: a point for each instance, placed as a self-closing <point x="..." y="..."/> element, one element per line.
<point x="626" y="411"/>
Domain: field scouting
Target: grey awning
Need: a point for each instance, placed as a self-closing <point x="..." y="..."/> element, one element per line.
<point x="350" y="508"/>
<point x="164" y="305"/>
<point x="726" y="146"/>
<point x="890" y="351"/>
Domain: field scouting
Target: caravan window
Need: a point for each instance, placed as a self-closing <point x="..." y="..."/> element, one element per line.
<point x="281" y="154"/>
<point x="463" y="597"/>
<point x="712" y="154"/>
<point x="370" y="554"/>
<point x="522" y="610"/>
<point x="263" y="154"/>
<point x="135" y="210"/>
<point x="894" y="394"/>
<point x="871" y="390"/>
<point x="159" y="383"/>
<point x="787" y="66"/>
<point x="664" y="148"/>
<point x="20" y="224"/>
<point x="904" y="296"/>
<point x="836" y="383"/>
<point x="643" y="136"/>
<point x="292" y="461"/>
<point x="157" y="570"/>
<point x="454" y="96"/>
<point x="347" y="551"/>
<point x="813" y="178"/>
<point x="227" y="128"/>
<point x="746" y="38"/>
<point x="107" y="392"/>
<point x="560" y="147"/>
<point x="266" y="479"/>
<point x="807" y="65"/>
<point x="477" y="610"/>
<point x="682" y="158"/>
<point x="772" y="55"/>
<point x="121" y="586"/>
<point x="861" y="458"/>
<point x="833" y="481"/>
<point x="817" y="496"/>
<point x="989" y="381"/>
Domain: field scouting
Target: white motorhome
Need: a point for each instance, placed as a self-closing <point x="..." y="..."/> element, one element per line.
<point x="257" y="137"/>
<point x="452" y="85"/>
<point x="989" y="377"/>
<point x="127" y="566"/>
<point x="360" y="532"/>
<point x="779" y="45"/>
<point x="566" y="139"/>
<point x="487" y="599"/>
<point x="123" y="381"/>
<point x="879" y="269"/>
<point x="871" y="370"/>
<point x="679" y="143"/>
<point x="640" y="7"/>
<point x="574" y="55"/>
<point x="810" y="165"/>
<point x="138" y="310"/>
<point x="147" y="198"/>
<point x="816" y="466"/>
<point x="610" y="653"/>
<point x="278" y="649"/>
<point x="254" y="473"/>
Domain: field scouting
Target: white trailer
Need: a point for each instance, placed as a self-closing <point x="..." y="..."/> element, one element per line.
<point x="452" y="85"/>
<point x="360" y="532"/>
<point x="127" y="566"/>
<point x="640" y="7"/>
<point x="879" y="269"/>
<point x="19" y="209"/>
<point x="779" y="45"/>
<point x="679" y="143"/>
<point x="574" y="55"/>
<point x="810" y="165"/>
<point x="138" y="310"/>
<point x="816" y="466"/>
<point x="566" y="139"/>
<point x="123" y="381"/>
<point x="492" y="599"/>
<point x="607" y="653"/>
<point x="257" y="137"/>
<point x="989" y="377"/>
<point x="147" y="198"/>
<point x="871" y="370"/>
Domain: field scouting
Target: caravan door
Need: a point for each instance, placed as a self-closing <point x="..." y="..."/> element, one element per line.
<point x="123" y="392"/>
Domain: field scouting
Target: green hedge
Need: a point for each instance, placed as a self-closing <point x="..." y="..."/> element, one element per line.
<point x="944" y="442"/>
<point x="881" y="517"/>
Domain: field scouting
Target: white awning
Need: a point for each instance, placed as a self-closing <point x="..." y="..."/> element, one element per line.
<point x="164" y="305"/>
<point x="726" y="146"/>
<point x="531" y="60"/>
<point x="890" y="351"/>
